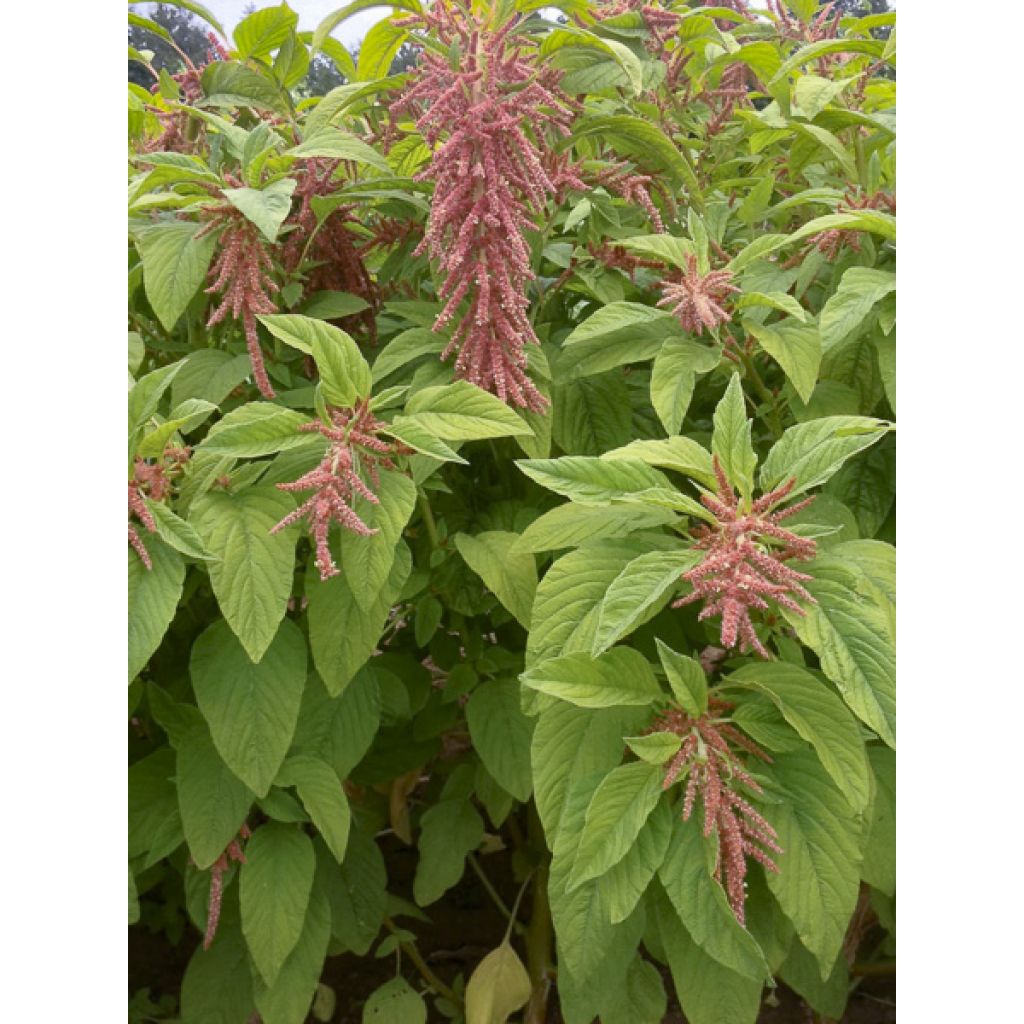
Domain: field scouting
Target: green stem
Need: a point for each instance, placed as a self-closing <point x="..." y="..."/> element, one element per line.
<point x="493" y="893"/>
<point x="436" y="984"/>
<point x="429" y="521"/>
<point x="540" y="934"/>
<point x="772" y="418"/>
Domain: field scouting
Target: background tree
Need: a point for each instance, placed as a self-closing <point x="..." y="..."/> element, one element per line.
<point x="187" y="31"/>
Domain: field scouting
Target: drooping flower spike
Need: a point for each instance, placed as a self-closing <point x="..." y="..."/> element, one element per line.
<point x="744" y="567"/>
<point x="355" y="448"/>
<point x="151" y="480"/>
<point x="714" y="770"/>
<point x="233" y="853"/>
<point x="486" y="119"/>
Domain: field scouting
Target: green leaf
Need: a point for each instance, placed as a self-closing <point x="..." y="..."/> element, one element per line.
<point x="509" y="574"/>
<point x="402" y="349"/>
<point x="640" y="139"/>
<point x="358" y="894"/>
<point x="709" y="992"/>
<point x="497" y="988"/>
<point x="288" y="1000"/>
<point x="378" y="49"/>
<point x="859" y="291"/>
<point x="616" y="814"/>
<point x="267" y="207"/>
<point x="174" y="265"/>
<point x="183" y="418"/>
<point x="673" y="375"/>
<point x="212" y="800"/>
<point x="629" y="322"/>
<point x="819" y="717"/>
<point x="450" y="830"/>
<point x="413" y="434"/>
<point x="813" y="93"/>
<point x="463" y="412"/>
<point x="274" y="886"/>
<point x="682" y="454"/>
<point x="593" y="481"/>
<point x="643" y="999"/>
<point x="879" y="867"/>
<point x="334" y="144"/>
<point x="795" y="347"/>
<point x="369" y="559"/>
<point x="264" y="31"/>
<point x="702" y="905"/>
<point x="501" y="735"/>
<point x="819" y="878"/>
<point x="395" y="1002"/>
<point x="574" y="37"/>
<point x="814" y="451"/>
<point x="823" y="48"/>
<point x="852" y="635"/>
<point x="343" y="370"/>
<point x="687" y="679"/>
<point x="252" y="577"/>
<point x="655" y="748"/>
<point x="153" y="596"/>
<point x="618" y="678"/>
<point x="591" y="414"/>
<point x="145" y="394"/>
<point x="638" y="592"/>
<point x="254" y="429"/>
<point x="623" y="885"/>
<point x="251" y="708"/>
<point x="218" y="981"/>
<point x="571" y="525"/>
<point x="176" y="532"/>
<point x="730" y="440"/>
<point x="323" y="797"/>
<point x="801" y="972"/>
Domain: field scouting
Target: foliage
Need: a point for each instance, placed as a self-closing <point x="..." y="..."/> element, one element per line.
<point x="511" y="468"/>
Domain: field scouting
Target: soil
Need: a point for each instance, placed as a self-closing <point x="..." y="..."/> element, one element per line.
<point x="465" y="926"/>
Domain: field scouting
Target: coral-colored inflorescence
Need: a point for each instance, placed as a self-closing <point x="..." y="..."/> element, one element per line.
<point x="355" y="448"/>
<point x="487" y="118"/>
<point x="241" y="273"/>
<point x="220" y="865"/>
<point x="696" y="299"/>
<point x="152" y="480"/>
<point x="708" y="753"/>
<point x="745" y="566"/>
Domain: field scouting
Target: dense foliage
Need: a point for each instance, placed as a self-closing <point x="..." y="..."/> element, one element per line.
<point x="511" y="470"/>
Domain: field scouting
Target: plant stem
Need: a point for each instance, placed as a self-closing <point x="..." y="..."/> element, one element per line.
<point x="436" y="984"/>
<point x="493" y="893"/>
<point x="539" y="934"/>
<point x="772" y="417"/>
<point x="429" y="522"/>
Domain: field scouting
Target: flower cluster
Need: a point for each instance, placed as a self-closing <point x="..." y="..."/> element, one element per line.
<point x="220" y="865"/>
<point x="696" y="299"/>
<point x="829" y="242"/>
<point x="741" y="569"/>
<point x="714" y="768"/>
<point x="355" y="448"/>
<point x="338" y="262"/>
<point x="151" y="480"/>
<point x="241" y="273"/>
<point x="487" y="117"/>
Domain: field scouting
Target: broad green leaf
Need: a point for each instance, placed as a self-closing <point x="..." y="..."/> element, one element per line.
<point x="218" y="981"/>
<point x="288" y="1000"/>
<point x="145" y="394"/>
<point x="177" y="532"/>
<point x="501" y="734"/>
<point x="342" y="635"/>
<point x="673" y="376"/>
<point x="450" y="830"/>
<point x="254" y="429"/>
<point x="153" y="596"/>
<point x="509" y="574"/>
<point x="574" y="37"/>
<point x="321" y="794"/>
<point x="395" y="1002"/>
<point x="343" y="370"/>
<point x="330" y="305"/>
<point x="357" y="891"/>
<point x="569" y="744"/>
<point x="210" y="375"/>
<point x="874" y="558"/>
<point x="709" y="991"/>
<point x="637" y="593"/>
<point x="174" y="265"/>
<point x="620" y="677"/>
<point x="656" y="747"/>
<point x="369" y="559"/>
<point x="591" y="414"/>
<point x="640" y="139"/>
<point x="335" y="18"/>
<point x="267" y="207"/>
<point x="152" y="801"/>
<point x="617" y="812"/>
<point x="593" y="481"/>
<point x="497" y="988"/>
<point x="679" y="453"/>
<point x="264" y="31"/>
<point x="666" y="249"/>
<point x="730" y="440"/>
<point x="252" y="577"/>
<point x="401" y="350"/>
<point x="251" y="708"/>
<point x="687" y="679"/>
<point x="643" y="999"/>
<point x="463" y="412"/>
<point x="625" y="321"/>
<point x="831" y="144"/>
<point x="378" y="49"/>
<point x="851" y="633"/>
<point x="274" y="886"/>
<point x="801" y="972"/>
<point x="781" y="301"/>
<point x="795" y="347"/>
<point x="571" y="525"/>
<point x="879" y="867"/>
<point x="184" y="418"/>
<point x="812" y="93"/>
<point x="212" y="800"/>
<point x="623" y="885"/>
<point x="813" y="51"/>
<point x="820" y="717"/>
<point x="812" y="452"/>
<point x="860" y="289"/>
<point x="886" y="348"/>
<point x="701" y="903"/>
<point x="334" y="144"/>
<point x="412" y="433"/>
<point x="819" y="877"/>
